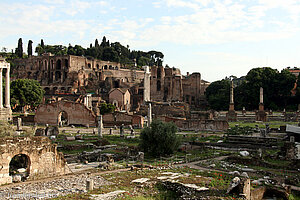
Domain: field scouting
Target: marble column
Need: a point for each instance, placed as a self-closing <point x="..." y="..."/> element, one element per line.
<point x="1" y="92"/>
<point x="7" y="89"/>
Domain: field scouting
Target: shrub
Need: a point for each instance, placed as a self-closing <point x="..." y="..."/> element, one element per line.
<point x="159" y="139"/>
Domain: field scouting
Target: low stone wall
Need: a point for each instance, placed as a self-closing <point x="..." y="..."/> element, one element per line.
<point x="44" y="159"/>
<point x="201" y="125"/>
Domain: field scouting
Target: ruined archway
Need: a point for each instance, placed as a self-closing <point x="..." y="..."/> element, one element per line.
<point x="63" y="118"/>
<point x="58" y="64"/>
<point x="19" y="167"/>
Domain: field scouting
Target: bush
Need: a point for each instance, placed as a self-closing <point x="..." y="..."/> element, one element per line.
<point x="159" y="139"/>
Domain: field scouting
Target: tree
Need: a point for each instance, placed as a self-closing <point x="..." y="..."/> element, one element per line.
<point x="217" y="94"/>
<point x="29" y="48"/>
<point x="19" y="49"/>
<point x="27" y="92"/>
<point x="42" y="43"/>
<point x="159" y="139"/>
<point x="107" y="108"/>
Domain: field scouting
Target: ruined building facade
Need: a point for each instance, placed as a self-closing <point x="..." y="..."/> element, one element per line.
<point x="70" y="74"/>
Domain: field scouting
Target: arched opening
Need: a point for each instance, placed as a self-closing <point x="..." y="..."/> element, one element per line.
<point x="158" y="73"/>
<point x="89" y="65"/>
<point x="55" y="90"/>
<point x="158" y="85"/>
<point x="105" y="66"/>
<point x="47" y="90"/>
<point x="45" y="65"/>
<point x="58" y="64"/>
<point x="19" y="167"/>
<point x="57" y="76"/>
<point x="116" y="68"/>
<point x="66" y="63"/>
<point x="110" y="67"/>
<point x="98" y="66"/>
<point x="115" y="103"/>
<point x="63" y="118"/>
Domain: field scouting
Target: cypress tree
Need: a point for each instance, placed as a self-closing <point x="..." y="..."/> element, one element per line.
<point x="29" y="48"/>
<point x="19" y="50"/>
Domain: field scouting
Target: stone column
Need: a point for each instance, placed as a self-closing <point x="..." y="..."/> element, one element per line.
<point x="261" y="100"/>
<point x="149" y="115"/>
<point x="7" y="89"/>
<point x="1" y="92"/>
<point x="231" y="104"/>
<point x="100" y="126"/>
<point x="147" y="75"/>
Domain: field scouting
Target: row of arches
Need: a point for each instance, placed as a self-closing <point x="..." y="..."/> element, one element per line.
<point x="57" y="90"/>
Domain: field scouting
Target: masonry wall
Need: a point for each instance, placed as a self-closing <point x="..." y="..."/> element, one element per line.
<point x="44" y="159"/>
<point x="77" y="113"/>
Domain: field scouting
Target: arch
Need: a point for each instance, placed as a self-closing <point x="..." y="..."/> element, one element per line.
<point x="66" y="63"/>
<point x="63" y="89"/>
<point x="20" y="165"/>
<point x="57" y="76"/>
<point x="158" y="85"/>
<point x="110" y="67"/>
<point x="105" y="66"/>
<point x="89" y="65"/>
<point x="47" y="90"/>
<point x="55" y="90"/>
<point x="58" y="64"/>
<point x="52" y="66"/>
<point x="116" y="67"/>
<point x="45" y="65"/>
<point x="98" y="66"/>
<point x="115" y="103"/>
<point x="63" y="118"/>
<point x="158" y="73"/>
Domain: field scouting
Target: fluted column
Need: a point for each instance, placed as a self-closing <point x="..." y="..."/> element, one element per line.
<point x="7" y="89"/>
<point x="1" y="92"/>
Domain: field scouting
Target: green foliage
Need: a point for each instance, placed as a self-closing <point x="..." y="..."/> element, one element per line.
<point x="19" y="49"/>
<point x="217" y="94"/>
<point x="29" y="48"/>
<point x="159" y="139"/>
<point x="114" y="52"/>
<point x="277" y="90"/>
<point x="6" y="129"/>
<point x="107" y="108"/>
<point x="26" y="92"/>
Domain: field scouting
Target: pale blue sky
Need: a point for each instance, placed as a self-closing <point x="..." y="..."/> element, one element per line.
<point x="217" y="38"/>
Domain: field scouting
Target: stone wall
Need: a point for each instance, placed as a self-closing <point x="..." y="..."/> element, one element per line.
<point x="44" y="159"/>
<point x="76" y="113"/>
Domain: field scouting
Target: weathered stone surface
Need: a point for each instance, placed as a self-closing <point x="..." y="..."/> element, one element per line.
<point x="44" y="159"/>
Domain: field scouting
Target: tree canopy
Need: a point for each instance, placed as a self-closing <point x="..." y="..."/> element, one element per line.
<point x="26" y="92"/>
<point x="114" y="52"/>
<point x="19" y="49"/>
<point x="277" y="90"/>
<point x="107" y="108"/>
<point x="159" y="139"/>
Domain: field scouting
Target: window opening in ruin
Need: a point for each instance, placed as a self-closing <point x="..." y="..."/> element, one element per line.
<point x="158" y="85"/>
<point x="116" y="84"/>
<point x="58" y="64"/>
<point x="158" y="73"/>
<point x="57" y="76"/>
<point x="63" y="118"/>
<point x="47" y="90"/>
<point x="97" y="66"/>
<point x="66" y="63"/>
<point x="89" y="65"/>
<point x="105" y="66"/>
<point x="19" y="167"/>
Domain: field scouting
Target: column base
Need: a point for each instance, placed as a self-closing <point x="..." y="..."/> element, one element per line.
<point x="5" y="114"/>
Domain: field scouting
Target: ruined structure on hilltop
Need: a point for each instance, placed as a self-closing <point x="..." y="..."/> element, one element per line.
<point x="68" y="74"/>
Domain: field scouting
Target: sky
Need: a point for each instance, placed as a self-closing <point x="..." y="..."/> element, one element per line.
<point x="217" y="38"/>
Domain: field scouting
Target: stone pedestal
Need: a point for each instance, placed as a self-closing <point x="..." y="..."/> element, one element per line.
<point x="261" y="114"/>
<point x="231" y="116"/>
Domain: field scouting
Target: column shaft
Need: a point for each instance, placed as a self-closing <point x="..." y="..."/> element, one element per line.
<point x="7" y="89"/>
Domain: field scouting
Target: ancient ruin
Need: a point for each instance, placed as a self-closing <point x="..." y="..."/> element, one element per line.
<point x="25" y="158"/>
<point x="5" y="111"/>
